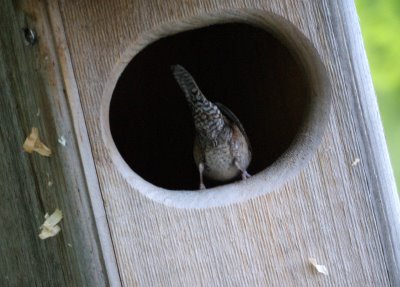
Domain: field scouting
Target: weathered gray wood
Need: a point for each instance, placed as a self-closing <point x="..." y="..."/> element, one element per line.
<point x="364" y="105"/>
<point x="32" y="94"/>
<point x="345" y="216"/>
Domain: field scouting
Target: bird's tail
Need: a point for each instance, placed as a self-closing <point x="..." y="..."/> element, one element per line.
<point x="207" y="117"/>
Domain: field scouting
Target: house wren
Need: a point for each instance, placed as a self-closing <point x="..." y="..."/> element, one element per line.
<point x="221" y="149"/>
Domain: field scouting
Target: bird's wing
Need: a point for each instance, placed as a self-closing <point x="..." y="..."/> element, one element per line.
<point x="233" y="118"/>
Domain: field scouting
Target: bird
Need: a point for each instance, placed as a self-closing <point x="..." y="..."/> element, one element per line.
<point x="221" y="149"/>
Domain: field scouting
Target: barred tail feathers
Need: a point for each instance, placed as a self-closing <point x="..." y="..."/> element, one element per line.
<point x="207" y="117"/>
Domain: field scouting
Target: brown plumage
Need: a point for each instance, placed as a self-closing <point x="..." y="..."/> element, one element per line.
<point x="221" y="147"/>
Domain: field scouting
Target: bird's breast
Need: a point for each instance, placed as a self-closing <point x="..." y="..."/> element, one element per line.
<point x="219" y="163"/>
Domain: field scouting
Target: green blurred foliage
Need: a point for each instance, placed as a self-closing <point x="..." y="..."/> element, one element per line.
<point x="380" y="25"/>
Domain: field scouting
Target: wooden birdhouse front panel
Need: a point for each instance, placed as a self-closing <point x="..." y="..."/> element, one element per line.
<point x="295" y="74"/>
<point x="323" y="209"/>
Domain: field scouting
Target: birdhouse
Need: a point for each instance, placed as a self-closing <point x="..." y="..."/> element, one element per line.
<point x="107" y="137"/>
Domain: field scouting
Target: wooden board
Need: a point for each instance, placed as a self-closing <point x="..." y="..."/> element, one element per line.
<point x="32" y="95"/>
<point x="344" y="215"/>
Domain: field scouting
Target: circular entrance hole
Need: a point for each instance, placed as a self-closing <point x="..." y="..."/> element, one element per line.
<point x="256" y="63"/>
<point x="242" y="66"/>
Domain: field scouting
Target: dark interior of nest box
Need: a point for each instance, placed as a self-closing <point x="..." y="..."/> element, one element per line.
<point x="244" y="67"/>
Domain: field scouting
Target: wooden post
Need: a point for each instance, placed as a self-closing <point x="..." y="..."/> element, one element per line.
<point x="33" y="94"/>
<point x="325" y="191"/>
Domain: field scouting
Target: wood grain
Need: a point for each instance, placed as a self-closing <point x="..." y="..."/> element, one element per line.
<point x="32" y="96"/>
<point x="345" y="216"/>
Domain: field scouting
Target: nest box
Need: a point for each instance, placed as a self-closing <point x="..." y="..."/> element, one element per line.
<point x="94" y="79"/>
